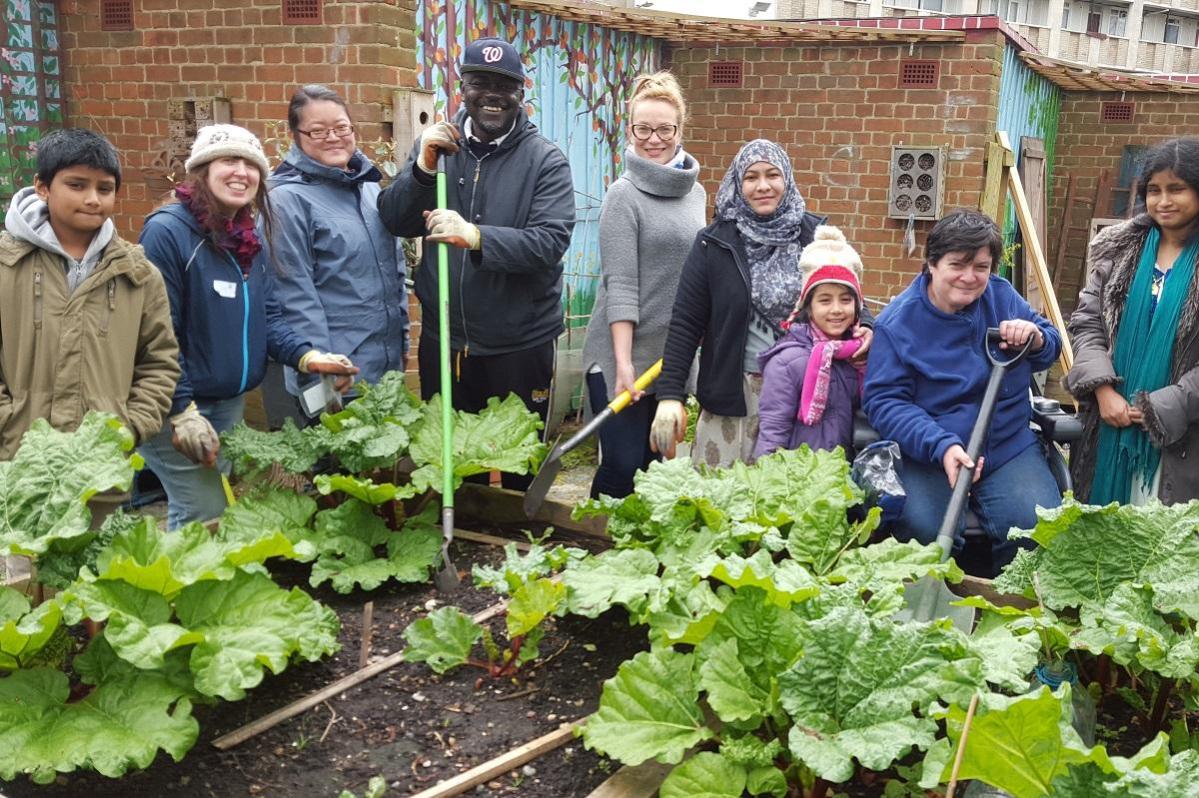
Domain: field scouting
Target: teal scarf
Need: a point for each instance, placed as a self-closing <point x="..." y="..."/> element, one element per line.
<point x="1144" y="346"/>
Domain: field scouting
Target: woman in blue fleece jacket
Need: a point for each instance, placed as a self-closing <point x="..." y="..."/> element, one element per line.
<point x="926" y="376"/>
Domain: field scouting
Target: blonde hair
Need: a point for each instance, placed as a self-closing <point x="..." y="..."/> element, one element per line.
<point x="659" y="86"/>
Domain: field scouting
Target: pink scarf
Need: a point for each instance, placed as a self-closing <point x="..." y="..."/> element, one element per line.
<point x="814" y="396"/>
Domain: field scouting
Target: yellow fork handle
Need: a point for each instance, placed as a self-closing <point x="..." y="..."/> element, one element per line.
<point x="643" y="382"/>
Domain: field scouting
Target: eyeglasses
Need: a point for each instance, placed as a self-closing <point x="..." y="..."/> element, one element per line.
<point x="341" y="132"/>
<point x="665" y="132"/>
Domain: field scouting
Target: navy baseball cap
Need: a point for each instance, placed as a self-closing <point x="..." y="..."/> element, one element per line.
<point x="493" y="55"/>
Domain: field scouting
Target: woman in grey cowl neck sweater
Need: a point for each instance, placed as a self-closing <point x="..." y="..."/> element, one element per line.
<point x="647" y="227"/>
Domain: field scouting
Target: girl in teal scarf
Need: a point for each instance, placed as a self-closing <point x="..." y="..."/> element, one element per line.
<point x="1127" y="461"/>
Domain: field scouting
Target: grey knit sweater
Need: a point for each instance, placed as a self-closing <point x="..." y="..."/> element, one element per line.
<point x="647" y="227"/>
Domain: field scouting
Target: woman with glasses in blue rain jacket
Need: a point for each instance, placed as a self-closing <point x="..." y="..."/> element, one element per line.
<point x="341" y="281"/>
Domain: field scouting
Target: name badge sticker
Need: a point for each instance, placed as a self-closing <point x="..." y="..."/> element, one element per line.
<point x="224" y="288"/>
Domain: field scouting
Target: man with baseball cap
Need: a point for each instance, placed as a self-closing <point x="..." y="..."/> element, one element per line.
<point x="509" y="220"/>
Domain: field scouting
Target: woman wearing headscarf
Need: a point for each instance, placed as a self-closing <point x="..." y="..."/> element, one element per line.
<point x="738" y="286"/>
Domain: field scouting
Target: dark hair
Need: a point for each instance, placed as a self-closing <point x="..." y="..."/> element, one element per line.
<point x="963" y="230"/>
<point x="313" y="92"/>
<point x="1180" y="156"/>
<point x="197" y="181"/>
<point x="802" y="314"/>
<point x="75" y="146"/>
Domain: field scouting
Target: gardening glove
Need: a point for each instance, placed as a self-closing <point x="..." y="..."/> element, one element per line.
<point x="194" y="438"/>
<point x="446" y="226"/>
<point x="317" y="362"/>
<point x="669" y="427"/>
<point x="439" y="138"/>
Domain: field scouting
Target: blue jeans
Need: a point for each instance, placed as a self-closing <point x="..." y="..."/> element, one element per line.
<point x="1004" y="498"/>
<point x="624" y="441"/>
<point x="194" y="493"/>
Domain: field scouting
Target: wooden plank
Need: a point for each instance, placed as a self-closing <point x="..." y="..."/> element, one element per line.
<point x="500" y="506"/>
<point x="1035" y="257"/>
<point x="1063" y="232"/>
<point x="254" y="728"/>
<point x="483" y="773"/>
<point x="368" y="625"/>
<point x="976" y="586"/>
<point x="992" y="196"/>
<point x="641" y="781"/>
<point x="1032" y="175"/>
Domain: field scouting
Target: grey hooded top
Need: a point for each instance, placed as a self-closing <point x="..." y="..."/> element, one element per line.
<point x="648" y="224"/>
<point x="28" y="219"/>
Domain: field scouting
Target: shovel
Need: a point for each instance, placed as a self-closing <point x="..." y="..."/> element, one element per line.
<point x="929" y="598"/>
<point x="447" y="578"/>
<point x="540" y="486"/>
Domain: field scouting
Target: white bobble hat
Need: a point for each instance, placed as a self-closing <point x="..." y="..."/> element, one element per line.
<point x="227" y="141"/>
<point x="830" y="259"/>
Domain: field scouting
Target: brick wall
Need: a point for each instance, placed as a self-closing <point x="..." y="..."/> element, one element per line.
<point x="119" y="83"/>
<point x="838" y="110"/>
<point x="1086" y="147"/>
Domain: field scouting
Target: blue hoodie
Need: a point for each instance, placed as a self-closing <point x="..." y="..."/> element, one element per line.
<point x="927" y="371"/>
<point x="341" y="275"/>
<point x="226" y="326"/>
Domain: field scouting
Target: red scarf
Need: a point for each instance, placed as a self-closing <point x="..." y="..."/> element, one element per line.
<point x="237" y="235"/>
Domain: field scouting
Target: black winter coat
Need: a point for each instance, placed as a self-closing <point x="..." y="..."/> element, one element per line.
<point x="713" y="306"/>
<point x="506" y="296"/>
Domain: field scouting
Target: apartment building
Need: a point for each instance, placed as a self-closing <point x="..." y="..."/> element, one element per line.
<point x="1145" y="35"/>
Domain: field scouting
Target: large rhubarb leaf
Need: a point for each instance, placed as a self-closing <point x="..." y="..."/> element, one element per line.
<point x="1018" y="744"/>
<point x="785" y="583"/>
<point x="443" y="639"/>
<point x="120" y="725"/>
<point x="504" y="436"/>
<point x="363" y="489"/>
<point x="1132" y="632"/>
<point x="250" y="451"/>
<point x="23" y="632"/>
<point x="532" y="603"/>
<point x="269" y="510"/>
<point x="247" y="624"/>
<point x="705" y="775"/>
<point x="1086" y="552"/>
<point x="373" y="431"/>
<point x="64" y="559"/>
<point x="731" y="691"/>
<point x="769" y="639"/>
<point x="517" y="568"/>
<point x="864" y="687"/>
<point x="349" y="537"/>
<point x="649" y="710"/>
<point x="45" y="488"/>
<point x="139" y="622"/>
<point x="165" y="562"/>
<point x="626" y="577"/>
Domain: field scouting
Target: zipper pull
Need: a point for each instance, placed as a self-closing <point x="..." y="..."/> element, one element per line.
<point x="478" y="168"/>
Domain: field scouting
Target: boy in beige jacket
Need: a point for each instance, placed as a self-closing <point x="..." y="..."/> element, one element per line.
<point x="84" y="319"/>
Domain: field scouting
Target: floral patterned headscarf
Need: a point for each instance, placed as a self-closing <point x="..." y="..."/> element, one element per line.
<point x="772" y="242"/>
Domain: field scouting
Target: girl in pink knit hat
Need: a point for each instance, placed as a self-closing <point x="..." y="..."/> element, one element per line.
<point x="810" y="387"/>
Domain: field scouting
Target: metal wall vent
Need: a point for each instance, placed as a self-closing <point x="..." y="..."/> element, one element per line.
<point x="116" y="14"/>
<point x="301" y="12"/>
<point x="919" y="74"/>
<point x="725" y="74"/>
<point x="1116" y="112"/>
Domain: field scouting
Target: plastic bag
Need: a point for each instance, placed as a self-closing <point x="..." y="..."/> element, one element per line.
<point x="876" y="471"/>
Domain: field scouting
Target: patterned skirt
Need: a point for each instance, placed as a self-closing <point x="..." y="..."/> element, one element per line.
<point x="721" y="441"/>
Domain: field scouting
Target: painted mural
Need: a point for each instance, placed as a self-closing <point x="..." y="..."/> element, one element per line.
<point x="1029" y="105"/>
<point x="30" y="88"/>
<point x="577" y="77"/>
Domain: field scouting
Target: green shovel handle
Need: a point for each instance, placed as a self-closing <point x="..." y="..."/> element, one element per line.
<point x="443" y="320"/>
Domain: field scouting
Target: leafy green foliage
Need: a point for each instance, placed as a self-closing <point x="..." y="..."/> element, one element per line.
<point x="443" y="639"/>
<point x="374" y="431"/>
<point x="265" y="510"/>
<point x="348" y="538"/>
<point x="501" y="437"/>
<point x="251" y="451"/>
<point x="363" y="489"/>
<point x="24" y="632"/>
<point x="45" y="488"/>
<point x="120" y="725"/>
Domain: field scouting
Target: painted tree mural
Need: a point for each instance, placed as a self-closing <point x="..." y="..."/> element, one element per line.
<point x="30" y="88"/>
<point x="577" y="78"/>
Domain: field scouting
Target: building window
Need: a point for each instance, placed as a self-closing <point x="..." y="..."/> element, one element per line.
<point x="1093" y="20"/>
<point x="1172" y="30"/>
<point x="1065" y="16"/>
<point x="1117" y="23"/>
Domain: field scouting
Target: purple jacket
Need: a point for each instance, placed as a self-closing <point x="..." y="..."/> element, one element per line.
<point x="783" y="368"/>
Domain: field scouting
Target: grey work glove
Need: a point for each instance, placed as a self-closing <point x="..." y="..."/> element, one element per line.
<point x="194" y="438"/>
<point x="441" y="137"/>
<point x="669" y="427"/>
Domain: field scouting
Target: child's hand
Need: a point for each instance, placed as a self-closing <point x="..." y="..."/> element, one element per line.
<point x="866" y="336"/>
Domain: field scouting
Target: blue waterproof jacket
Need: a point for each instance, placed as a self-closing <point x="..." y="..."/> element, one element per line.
<point x="927" y="371"/>
<point x="341" y="276"/>
<point x="226" y="326"/>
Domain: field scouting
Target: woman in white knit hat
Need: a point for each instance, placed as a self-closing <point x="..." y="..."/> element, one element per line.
<point x="810" y="384"/>
<point x="215" y="266"/>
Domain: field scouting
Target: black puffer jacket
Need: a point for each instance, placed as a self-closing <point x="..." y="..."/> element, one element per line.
<point x="507" y="296"/>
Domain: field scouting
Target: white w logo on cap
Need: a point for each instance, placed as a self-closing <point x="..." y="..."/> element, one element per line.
<point x="492" y="54"/>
